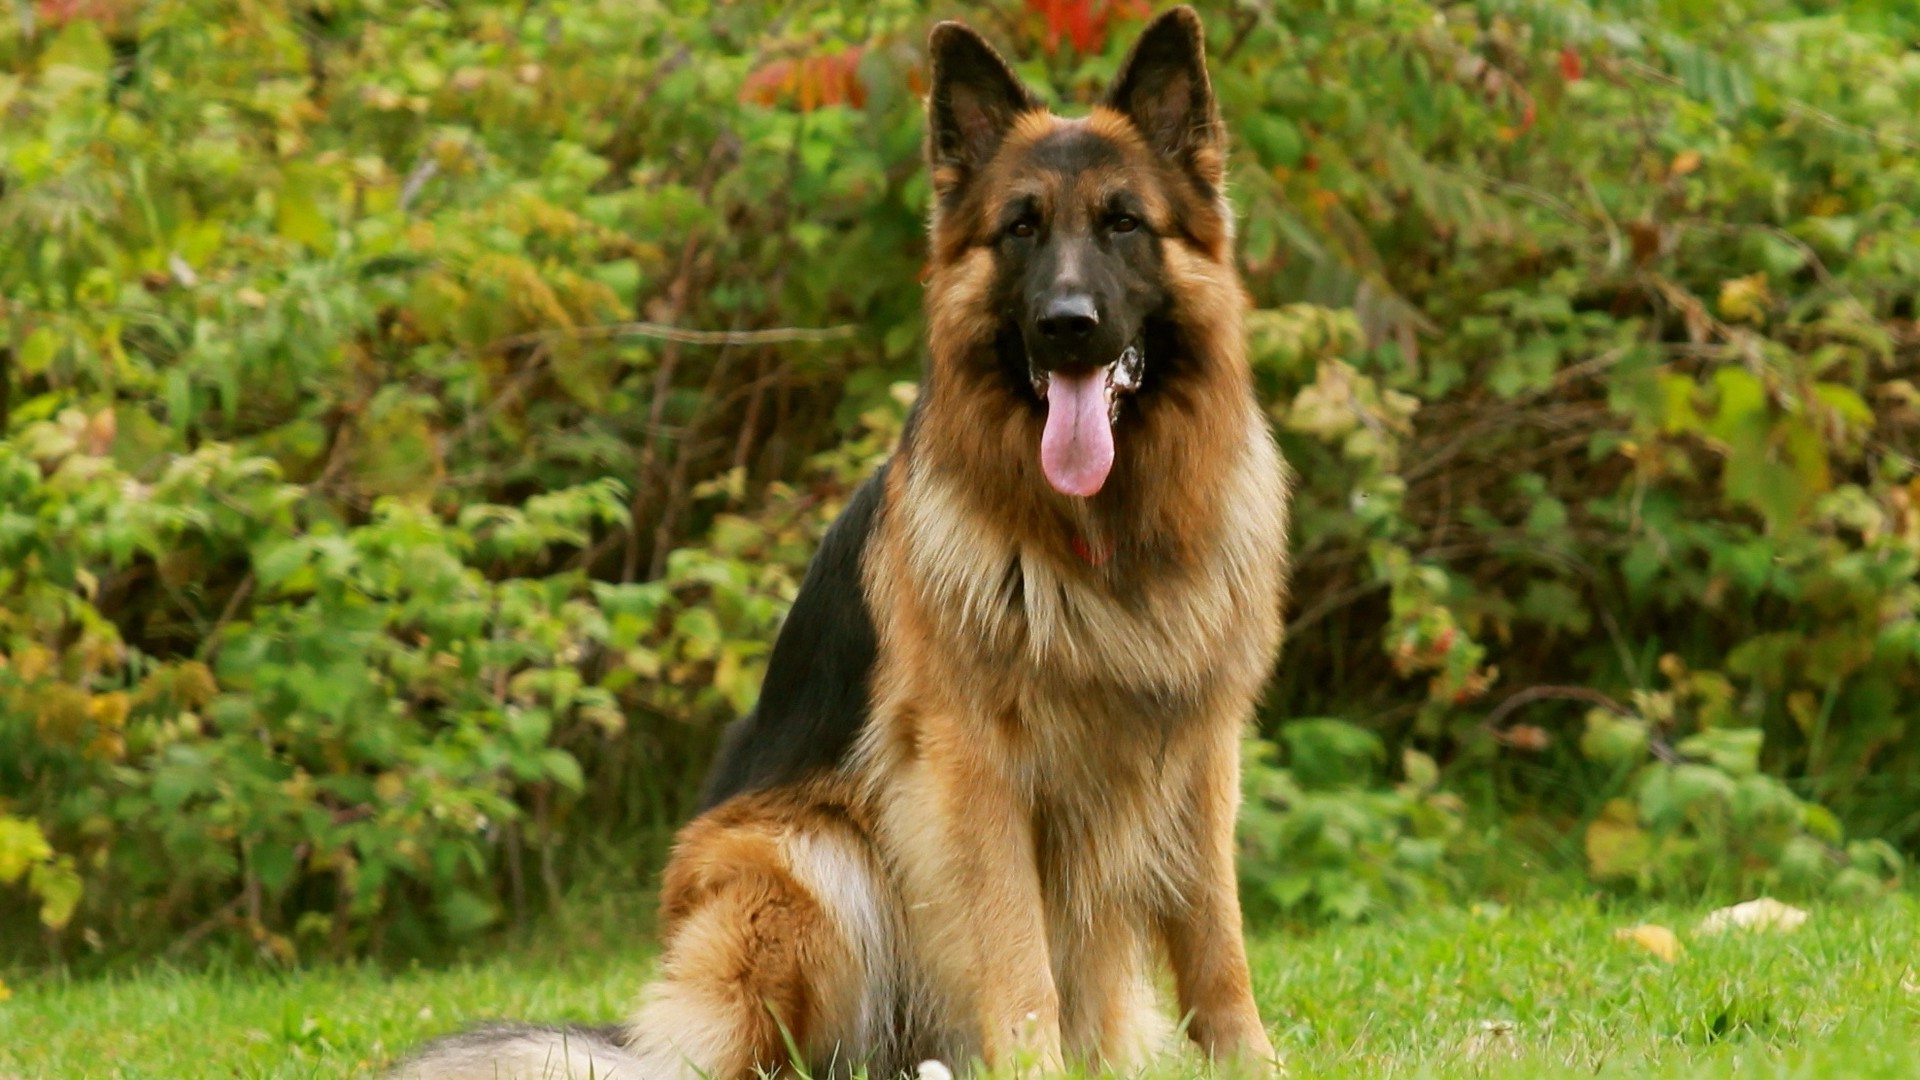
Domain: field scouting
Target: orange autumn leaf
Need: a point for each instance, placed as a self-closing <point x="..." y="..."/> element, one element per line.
<point x="808" y="83"/>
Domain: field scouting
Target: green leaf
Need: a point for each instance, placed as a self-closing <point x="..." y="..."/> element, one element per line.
<point x="22" y="847"/>
<point x="561" y="767"/>
<point x="80" y="47"/>
<point x="298" y="215"/>
<point x="1733" y="750"/>
<point x="1694" y="785"/>
<point x="1848" y="406"/>
<point x="1557" y="605"/>
<point x="1614" y="740"/>
<point x="58" y="886"/>
<point x="1274" y="138"/>
<point x="37" y="352"/>
<point x="1821" y="822"/>
<point x="1422" y="773"/>
<point x="464" y="911"/>
<point x="1741" y="408"/>
<point x="1615" y="844"/>
<point x="274" y="864"/>
<point x="1331" y="752"/>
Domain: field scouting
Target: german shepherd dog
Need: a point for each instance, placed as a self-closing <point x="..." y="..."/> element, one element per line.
<point x="994" y="767"/>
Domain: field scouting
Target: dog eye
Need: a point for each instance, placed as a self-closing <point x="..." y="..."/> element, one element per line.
<point x="1022" y="229"/>
<point x="1124" y="223"/>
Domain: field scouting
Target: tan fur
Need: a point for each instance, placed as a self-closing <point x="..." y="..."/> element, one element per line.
<point x="1072" y="742"/>
<point x="777" y="929"/>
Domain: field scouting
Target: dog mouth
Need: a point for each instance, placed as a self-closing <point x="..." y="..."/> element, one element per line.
<point x="1076" y="447"/>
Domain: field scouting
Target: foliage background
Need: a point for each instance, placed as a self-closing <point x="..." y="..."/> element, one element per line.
<point x="373" y="549"/>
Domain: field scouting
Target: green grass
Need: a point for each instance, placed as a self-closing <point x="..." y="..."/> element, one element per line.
<point x="1539" y="990"/>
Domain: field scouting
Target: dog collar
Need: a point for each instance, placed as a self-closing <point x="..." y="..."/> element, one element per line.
<point x="1090" y="554"/>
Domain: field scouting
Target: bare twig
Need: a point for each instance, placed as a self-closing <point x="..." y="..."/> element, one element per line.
<point x="210" y="643"/>
<point x="779" y="335"/>
<point x="752" y="422"/>
<point x="213" y="922"/>
<point x="656" y="412"/>
<point x="1519" y="698"/>
<point x="677" y="476"/>
<point x="543" y="822"/>
<point x="516" y="874"/>
<point x="342" y="925"/>
<point x="1507" y="416"/>
<point x="338" y="454"/>
<point x="1333" y="603"/>
<point x="1242" y="27"/>
<point x="426" y="169"/>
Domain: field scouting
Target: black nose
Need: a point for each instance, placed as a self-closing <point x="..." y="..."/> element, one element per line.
<point x="1069" y="317"/>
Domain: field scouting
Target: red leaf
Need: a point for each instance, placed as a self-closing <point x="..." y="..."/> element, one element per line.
<point x="1528" y="737"/>
<point x="1085" y="23"/>
<point x="808" y="84"/>
<point x="852" y="90"/>
<point x="767" y="84"/>
<point x="1570" y="66"/>
<point x="1050" y="11"/>
<point x="61" y="12"/>
<point x="1087" y="29"/>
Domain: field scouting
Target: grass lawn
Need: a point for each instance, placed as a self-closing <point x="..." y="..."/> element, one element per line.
<point x="1541" y="990"/>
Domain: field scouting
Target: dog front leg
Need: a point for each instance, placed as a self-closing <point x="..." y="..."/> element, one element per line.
<point x="961" y="834"/>
<point x="1203" y="934"/>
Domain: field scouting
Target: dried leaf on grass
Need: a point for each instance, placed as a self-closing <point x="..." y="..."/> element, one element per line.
<point x="1765" y="913"/>
<point x="1658" y="940"/>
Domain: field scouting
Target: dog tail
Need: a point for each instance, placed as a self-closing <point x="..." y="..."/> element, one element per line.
<point x="512" y="1051"/>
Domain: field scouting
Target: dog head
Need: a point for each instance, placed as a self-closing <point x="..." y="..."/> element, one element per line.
<point x="1073" y="257"/>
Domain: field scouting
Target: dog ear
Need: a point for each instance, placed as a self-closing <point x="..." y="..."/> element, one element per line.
<point x="974" y="101"/>
<point x="1163" y="88"/>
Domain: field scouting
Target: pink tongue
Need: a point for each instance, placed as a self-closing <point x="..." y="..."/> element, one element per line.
<point x="1076" y="450"/>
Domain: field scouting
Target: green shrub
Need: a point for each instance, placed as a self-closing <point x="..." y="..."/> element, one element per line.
<point x="368" y="529"/>
<point x="1323" y="839"/>
<point x="1698" y="812"/>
